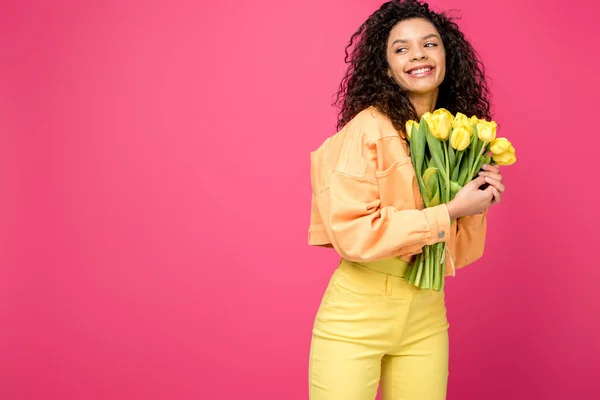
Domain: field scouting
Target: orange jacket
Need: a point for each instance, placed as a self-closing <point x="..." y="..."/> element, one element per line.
<point x="366" y="201"/>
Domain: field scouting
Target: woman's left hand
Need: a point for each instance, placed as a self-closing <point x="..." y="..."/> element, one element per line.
<point x="491" y="173"/>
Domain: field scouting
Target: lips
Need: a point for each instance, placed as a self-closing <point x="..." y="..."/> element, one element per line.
<point x="420" y="70"/>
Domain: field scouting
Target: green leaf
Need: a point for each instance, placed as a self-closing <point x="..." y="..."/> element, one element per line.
<point x="462" y="175"/>
<point x="479" y="164"/>
<point x="431" y="178"/>
<point x="473" y="148"/>
<point x="417" y="150"/>
<point x="420" y="145"/>
<point x="451" y="155"/>
<point x="455" y="187"/>
<point x="435" y="200"/>
<point x="436" y="150"/>
<point x="428" y="174"/>
<point x="456" y="170"/>
<point x="413" y="131"/>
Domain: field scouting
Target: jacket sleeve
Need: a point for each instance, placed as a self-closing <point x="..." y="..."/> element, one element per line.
<point x="361" y="230"/>
<point x="469" y="239"/>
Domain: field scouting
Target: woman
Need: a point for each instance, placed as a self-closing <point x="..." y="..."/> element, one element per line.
<point x="373" y="326"/>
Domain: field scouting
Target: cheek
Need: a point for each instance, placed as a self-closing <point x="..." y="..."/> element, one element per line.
<point x="442" y="69"/>
<point x="443" y="63"/>
<point x="396" y="68"/>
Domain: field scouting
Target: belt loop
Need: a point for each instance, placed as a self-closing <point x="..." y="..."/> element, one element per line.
<point x="388" y="285"/>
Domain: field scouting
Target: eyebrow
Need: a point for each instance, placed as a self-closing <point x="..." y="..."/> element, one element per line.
<point x="423" y="38"/>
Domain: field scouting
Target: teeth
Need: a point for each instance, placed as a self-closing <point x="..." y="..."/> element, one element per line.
<point x="420" y="71"/>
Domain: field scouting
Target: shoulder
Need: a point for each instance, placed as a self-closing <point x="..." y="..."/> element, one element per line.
<point x="363" y="130"/>
<point x="351" y="150"/>
<point x="370" y="125"/>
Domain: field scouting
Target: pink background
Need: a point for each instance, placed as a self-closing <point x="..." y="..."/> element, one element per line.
<point x="155" y="199"/>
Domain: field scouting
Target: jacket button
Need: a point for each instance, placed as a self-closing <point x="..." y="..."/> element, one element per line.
<point x="441" y="234"/>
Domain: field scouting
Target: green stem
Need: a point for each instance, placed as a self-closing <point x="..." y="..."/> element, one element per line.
<point x="436" y="275"/>
<point x="427" y="273"/>
<point x="447" y="177"/>
<point x="419" y="274"/>
<point x="476" y="161"/>
<point x="414" y="268"/>
<point x="441" y="266"/>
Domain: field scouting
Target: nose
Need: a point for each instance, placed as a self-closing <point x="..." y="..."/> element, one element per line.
<point x="418" y="54"/>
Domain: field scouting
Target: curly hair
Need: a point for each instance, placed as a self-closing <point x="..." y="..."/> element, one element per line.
<point x="366" y="82"/>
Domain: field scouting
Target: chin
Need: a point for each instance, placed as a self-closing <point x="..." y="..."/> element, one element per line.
<point x="422" y="90"/>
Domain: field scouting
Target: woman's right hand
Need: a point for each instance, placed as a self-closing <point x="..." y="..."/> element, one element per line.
<point x="470" y="200"/>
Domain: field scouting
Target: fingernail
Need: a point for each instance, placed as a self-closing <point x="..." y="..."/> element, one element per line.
<point x="487" y="179"/>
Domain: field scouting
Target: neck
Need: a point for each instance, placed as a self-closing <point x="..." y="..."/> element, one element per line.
<point x="423" y="102"/>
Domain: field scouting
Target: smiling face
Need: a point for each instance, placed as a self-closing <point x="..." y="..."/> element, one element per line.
<point x="416" y="56"/>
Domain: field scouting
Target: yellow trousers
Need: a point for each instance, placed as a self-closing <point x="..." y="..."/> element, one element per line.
<point x="373" y="328"/>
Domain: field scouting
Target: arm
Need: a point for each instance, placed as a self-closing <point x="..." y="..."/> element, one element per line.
<point x="361" y="230"/>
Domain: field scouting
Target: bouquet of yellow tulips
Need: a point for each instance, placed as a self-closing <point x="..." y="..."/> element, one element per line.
<point x="448" y="152"/>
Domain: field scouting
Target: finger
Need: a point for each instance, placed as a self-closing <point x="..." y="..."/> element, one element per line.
<point x="496" y="184"/>
<point x="480" y="180"/>
<point x="492" y="175"/>
<point x="491" y="168"/>
<point x="497" y="195"/>
<point x="489" y="191"/>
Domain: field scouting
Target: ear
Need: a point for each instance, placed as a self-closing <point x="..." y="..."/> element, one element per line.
<point x="389" y="73"/>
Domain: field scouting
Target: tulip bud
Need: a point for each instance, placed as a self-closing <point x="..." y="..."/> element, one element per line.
<point x="500" y="145"/>
<point x="486" y="130"/>
<point x="427" y="117"/>
<point x="409" y="127"/>
<point x="461" y="120"/>
<point x="460" y="138"/>
<point x="442" y="121"/>
<point x="506" y="158"/>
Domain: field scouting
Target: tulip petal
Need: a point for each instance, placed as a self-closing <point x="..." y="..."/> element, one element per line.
<point x="506" y="158"/>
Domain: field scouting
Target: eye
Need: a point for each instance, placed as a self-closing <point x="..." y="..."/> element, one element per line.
<point x="430" y="44"/>
<point x="401" y="49"/>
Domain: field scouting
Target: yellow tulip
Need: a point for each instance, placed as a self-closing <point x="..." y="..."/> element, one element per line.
<point x="432" y="185"/>
<point x="409" y="127"/>
<point x="442" y="122"/>
<point x="501" y="145"/>
<point x="486" y="130"/>
<point x="462" y="120"/>
<point x="427" y="117"/>
<point x="506" y="158"/>
<point x="460" y="138"/>
<point x="447" y="114"/>
<point x="475" y="121"/>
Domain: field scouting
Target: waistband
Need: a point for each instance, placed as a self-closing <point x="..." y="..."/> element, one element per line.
<point x="371" y="274"/>
<point x="389" y="266"/>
